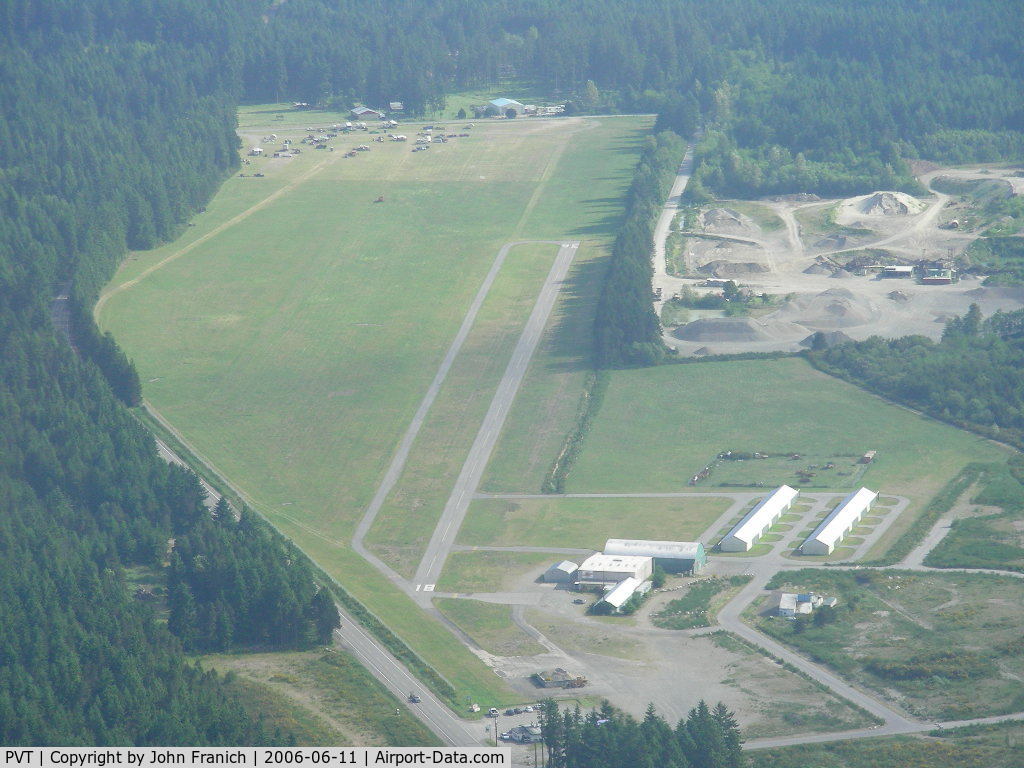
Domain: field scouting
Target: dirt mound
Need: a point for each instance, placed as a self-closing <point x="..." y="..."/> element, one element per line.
<point x="817" y="269"/>
<point x="738" y="329"/>
<point x="829" y="310"/>
<point x="842" y="293"/>
<point x="842" y="274"/>
<point x="702" y="351"/>
<point x="828" y="338"/>
<point x="832" y="242"/>
<point x="889" y="204"/>
<point x="725" y="269"/>
<point x="899" y="296"/>
<point x="727" y="221"/>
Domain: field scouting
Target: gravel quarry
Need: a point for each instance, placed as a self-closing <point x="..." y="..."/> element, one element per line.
<point x="821" y="269"/>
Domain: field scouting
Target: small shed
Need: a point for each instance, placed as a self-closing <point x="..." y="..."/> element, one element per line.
<point x="396" y="106"/>
<point x="561" y="573"/>
<point x="787" y="604"/>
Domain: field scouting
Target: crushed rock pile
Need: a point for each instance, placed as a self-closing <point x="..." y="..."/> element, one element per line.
<point x="890" y="204"/>
<point x="829" y="310"/>
<point x="739" y="329"/>
<point x="829" y="338"/>
<point x="817" y="269"/>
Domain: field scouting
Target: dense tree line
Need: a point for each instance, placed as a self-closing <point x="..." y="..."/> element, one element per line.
<point x="82" y="496"/>
<point x="799" y="96"/>
<point x="236" y="583"/>
<point x="971" y="377"/>
<point x="607" y="738"/>
<point x="626" y="329"/>
<point x="117" y="123"/>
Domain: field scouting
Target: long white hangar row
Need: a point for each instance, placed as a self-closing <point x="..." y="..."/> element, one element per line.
<point x="838" y="523"/>
<point x="758" y="520"/>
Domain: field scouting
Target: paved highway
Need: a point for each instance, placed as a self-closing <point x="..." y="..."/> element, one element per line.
<point x="396" y="678"/>
<point x="376" y="658"/>
<point x="487" y="437"/>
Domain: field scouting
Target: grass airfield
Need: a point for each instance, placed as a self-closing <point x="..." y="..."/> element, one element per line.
<point x="291" y="331"/>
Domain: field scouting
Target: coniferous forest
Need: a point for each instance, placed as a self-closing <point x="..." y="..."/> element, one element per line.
<point x="117" y="124"/>
<point x="605" y="738"/>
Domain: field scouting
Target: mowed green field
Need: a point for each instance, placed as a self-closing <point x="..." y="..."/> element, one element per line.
<point x="659" y="426"/>
<point x="587" y="523"/>
<point x="290" y="333"/>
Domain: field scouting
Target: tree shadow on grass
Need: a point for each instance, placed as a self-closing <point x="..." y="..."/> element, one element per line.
<point x="569" y="340"/>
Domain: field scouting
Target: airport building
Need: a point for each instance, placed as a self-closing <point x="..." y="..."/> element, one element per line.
<point x="672" y="556"/>
<point x="602" y="570"/>
<point x="838" y="523"/>
<point x="758" y="520"/>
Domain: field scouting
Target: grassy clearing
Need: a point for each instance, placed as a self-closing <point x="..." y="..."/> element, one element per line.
<point x="406" y="521"/>
<point x="987" y="536"/>
<point x="490" y="571"/>
<point x="995" y="746"/>
<point x="804" y="707"/>
<point x="699" y="605"/>
<point x="586" y="523"/>
<point x="943" y="646"/>
<point x="290" y="334"/>
<point x="323" y="698"/>
<point x="490" y="625"/>
<point x="660" y="426"/>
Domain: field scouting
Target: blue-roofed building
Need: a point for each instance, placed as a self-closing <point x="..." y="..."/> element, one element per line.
<point x="503" y="105"/>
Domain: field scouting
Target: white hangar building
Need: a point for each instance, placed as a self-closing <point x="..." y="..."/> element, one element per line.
<point x="617" y="596"/>
<point x="607" y="570"/>
<point x="838" y="523"/>
<point x="673" y="556"/>
<point x="758" y="520"/>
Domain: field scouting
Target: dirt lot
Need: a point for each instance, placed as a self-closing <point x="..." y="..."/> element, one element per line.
<point x="815" y="267"/>
<point x="633" y="663"/>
